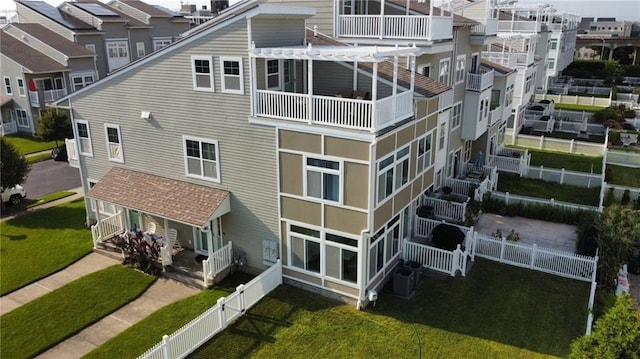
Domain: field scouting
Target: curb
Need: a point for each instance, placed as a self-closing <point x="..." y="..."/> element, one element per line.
<point x="78" y="194"/>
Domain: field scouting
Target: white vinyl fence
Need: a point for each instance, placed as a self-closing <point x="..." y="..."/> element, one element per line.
<point x="628" y="159"/>
<point x="454" y="211"/>
<point x="564" y="264"/>
<point x="563" y="176"/>
<point x="107" y="228"/>
<point x="7" y="128"/>
<point x="197" y="332"/>
<point x="512" y="198"/>
<point x="618" y="191"/>
<point x="219" y="261"/>
<point x="577" y="100"/>
<point x="556" y="144"/>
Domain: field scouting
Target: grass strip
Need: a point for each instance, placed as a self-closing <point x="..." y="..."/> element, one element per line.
<point x="39" y="158"/>
<point x="50" y="198"/>
<point x="40" y="243"/>
<point x="546" y="190"/>
<point x="28" y="144"/>
<point x="624" y="176"/>
<point x="496" y="311"/>
<point x="166" y="320"/>
<point x="579" y="163"/>
<point x="54" y="317"/>
<point x="575" y="107"/>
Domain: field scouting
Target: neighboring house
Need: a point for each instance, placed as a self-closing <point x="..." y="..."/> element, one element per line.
<point x="118" y="33"/>
<point x="38" y="66"/>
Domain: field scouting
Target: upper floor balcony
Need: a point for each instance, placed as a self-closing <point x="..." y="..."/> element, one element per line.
<point x="509" y="59"/>
<point x="480" y="82"/>
<point x="519" y="26"/>
<point x="320" y="85"/>
<point x="489" y="27"/>
<point x="39" y="98"/>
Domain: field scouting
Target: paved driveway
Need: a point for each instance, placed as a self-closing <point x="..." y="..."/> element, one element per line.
<point x="51" y="176"/>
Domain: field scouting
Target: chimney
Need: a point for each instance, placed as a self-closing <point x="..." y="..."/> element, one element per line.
<point x="219" y="5"/>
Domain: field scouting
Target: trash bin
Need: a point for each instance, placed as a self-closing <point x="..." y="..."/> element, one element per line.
<point x="403" y="282"/>
<point x="416" y="267"/>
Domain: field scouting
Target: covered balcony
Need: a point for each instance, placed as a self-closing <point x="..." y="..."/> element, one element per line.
<point x="480" y="81"/>
<point x="519" y="26"/>
<point x="39" y="98"/>
<point x="392" y="19"/>
<point x="359" y="88"/>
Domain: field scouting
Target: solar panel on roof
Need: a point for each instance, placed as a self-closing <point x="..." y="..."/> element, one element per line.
<point x="95" y="9"/>
<point x="52" y="13"/>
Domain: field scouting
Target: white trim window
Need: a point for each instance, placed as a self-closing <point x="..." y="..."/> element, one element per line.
<point x="444" y="70"/>
<point x="91" y="47"/>
<point x="84" y="136"/>
<point x="114" y="143"/>
<point x="466" y="154"/>
<point x="508" y="96"/>
<point x="140" y="49"/>
<point x="384" y="246"/>
<point x="442" y="135"/>
<point x="232" y="74"/>
<point x="105" y="207"/>
<point x="160" y="42"/>
<point x="7" y="85"/>
<point x="393" y="173"/>
<point x="460" y="67"/>
<point x="79" y="81"/>
<point x="202" y="72"/>
<point x="424" y="153"/>
<point x="341" y="257"/>
<point x="22" y="118"/>
<point x="424" y="70"/>
<point x="323" y="179"/>
<point x="201" y="158"/>
<point x="305" y="248"/>
<point x="272" y="73"/>
<point x="20" y="83"/>
<point x="456" y="115"/>
<point x="553" y="44"/>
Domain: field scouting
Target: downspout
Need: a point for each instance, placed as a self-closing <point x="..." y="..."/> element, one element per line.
<point x="81" y="167"/>
<point x="364" y="245"/>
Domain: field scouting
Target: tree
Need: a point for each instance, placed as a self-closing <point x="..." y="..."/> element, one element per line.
<point x="54" y="125"/>
<point x="618" y="230"/>
<point x="615" y="335"/>
<point x="13" y="167"/>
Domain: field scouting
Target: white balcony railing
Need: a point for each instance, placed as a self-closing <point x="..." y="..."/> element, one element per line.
<point x="7" y="128"/>
<point x="480" y="82"/>
<point x="487" y="29"/>
<point x="509" y="59"/>
<point x="47" y="96"/>
<point x="72" y="152"/>
<point x="495" y="115"/>
<point x="335" y="111"/>
<point x="396" y="27"/>
<point x="518" y="26"/>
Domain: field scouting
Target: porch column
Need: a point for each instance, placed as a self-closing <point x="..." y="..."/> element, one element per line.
<point x="310" y="90"/>
<point x="374" y="97"/>
<point x="254" y="85"/>
<point x="412" y="65"/>
<point x="209" y="242"/>
<point x="98" y="219"/>
<point x="381" y="18"/>
<point x="355" y="76"/>
<point x="166" y="229"/>
<point x="394" y="89"/>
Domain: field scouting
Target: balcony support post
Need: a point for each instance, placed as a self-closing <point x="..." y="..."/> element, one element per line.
<point x="382" y="30"/>
<point x="254" y="86"/>
<point x="310" y="90"/>
<point x="394" y="91"/>
<point x="412" y="64"/>
<point x="354" y="85"/>
<point x="374" y="98"/>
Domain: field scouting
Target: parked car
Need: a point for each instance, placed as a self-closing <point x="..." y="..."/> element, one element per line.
<point x="13" y="195"/>
<point x="59" y="153"/>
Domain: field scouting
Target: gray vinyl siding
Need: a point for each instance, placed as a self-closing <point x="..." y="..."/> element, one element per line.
<point x="164" y="27"/>
<point x="164" y="87"/>
<point x="274" y="33"/>
<point x="26" y="15"/>
<point x="13" y="70"/>
<point x="323" y="17"/>
<point x="476" y="11"/>
<point x="98" y="42"/>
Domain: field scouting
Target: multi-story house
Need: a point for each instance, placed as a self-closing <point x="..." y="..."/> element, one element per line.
<point x="279" y="138"/>
<point x="118" y="33"/>
<point x="38" y="66"/>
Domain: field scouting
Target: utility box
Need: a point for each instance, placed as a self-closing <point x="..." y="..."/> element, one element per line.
<point x="404" y="282"/>
<point x="416" y="267"/>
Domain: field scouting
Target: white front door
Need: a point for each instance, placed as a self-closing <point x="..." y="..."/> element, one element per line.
<point x="117" y="54"/>
<point x="201" y="241"/>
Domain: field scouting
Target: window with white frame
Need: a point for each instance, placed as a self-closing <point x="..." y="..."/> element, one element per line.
<point x="202" y="72"/>
<point x="456" y="115"/>
<point x="444" y="70"/>
<point x="508" y="96"/>
<point x="424" y="153"/>
<point x="232" y="74"/>
<point x="553" y="44"/>
<point x="91" y="47"/>
<point x="140" y="49"/>
<point x="460" y="67"/>
<point x="114" y="143"/>
<point x="305" y="248"/>
<point x="22" y="118"/>
<point x="7" y="85"/>
<point x="466" y="154"/>
<point x="323" y="179"/>
<point x="442" y="134"/>
<point x="79" y="81"/>
<point x="385" y="245"/>
<point x="84" y="137"/>
<point x="202" y="158"/>
<point x="273" y="74"/>
<point x="341" y="260"/>
<point x="393" y="173"/>
<point x="551" y="64"/>
<point x="105" y="207"/>
<point x="424" y="70"/>
<point x="451" y="164"/>
<point x="438" y="179"/>
<point x="160" y="42"/>
<point x="20" y="82"/>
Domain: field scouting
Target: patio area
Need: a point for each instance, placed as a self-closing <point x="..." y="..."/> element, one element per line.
<point x="549" y="235"/>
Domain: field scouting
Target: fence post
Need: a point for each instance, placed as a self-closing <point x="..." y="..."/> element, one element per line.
<point x="540" y="173"/>
<point x="455" y="259"/>
<point x="502" y="243"/>
<point x="541" y="146"/>
<point x="166" y="347"/>
<point x="572" y="145"/>
<point x="533" y="255"/>
<point x="475" y="244"/>
<point x="205" y="272"/>
<point x="222" y="315"/>
<point x="240" y="290"/>
<point x="562" y="175"/>
<point x="552" y="201"/>
<point x="506" y="198"/>
<point x="592" y="294"/>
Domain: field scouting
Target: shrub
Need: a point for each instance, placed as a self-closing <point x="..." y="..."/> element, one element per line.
<point x="610" y="197"/>
<point x="587" y="231"/>
<point x="140" y="254"/>
<point x="615" y="335"/>
<point x="626" y="197"/>
<point x="544" y="212"/>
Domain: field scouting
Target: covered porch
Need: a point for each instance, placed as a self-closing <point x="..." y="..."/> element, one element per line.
<point x="8" y="123"/>
<point x="182" y="217"/>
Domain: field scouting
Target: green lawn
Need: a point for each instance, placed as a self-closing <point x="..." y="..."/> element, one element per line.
<point x="27" y="144"/>
<point x="39" y="158"/>
<point x="130" y="344"/>
<point x="40" y="243"/>
<point x="50" y="198"/>
<point x="579" y="163"/>
<point x="541" y="189"/>
<point x="625" y="176"/>
<point x="50" y="319"/>
<point x="497" y="311"/>
<point x="587" y="108"/>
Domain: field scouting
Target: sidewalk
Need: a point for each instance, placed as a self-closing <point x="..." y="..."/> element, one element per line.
<point x="78" y="194"/>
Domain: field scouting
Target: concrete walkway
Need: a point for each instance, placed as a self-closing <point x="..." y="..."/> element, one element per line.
<point x="78" y="193"/>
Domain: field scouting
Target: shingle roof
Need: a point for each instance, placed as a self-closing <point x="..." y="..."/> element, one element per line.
<point x="61" y="44"/>
<point x="145" y="8"/>
<point x="497" y="67"/>
<point x="121" y="16"/>
<point x="61" y="17"/>
<point x="423" y="85"/>
<point x="424" y="8"/>
<point x="168" y="198"/>
<point x="30" y="58"/>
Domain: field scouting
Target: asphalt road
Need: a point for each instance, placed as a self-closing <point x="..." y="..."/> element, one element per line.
<point x="50" y="176"/>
